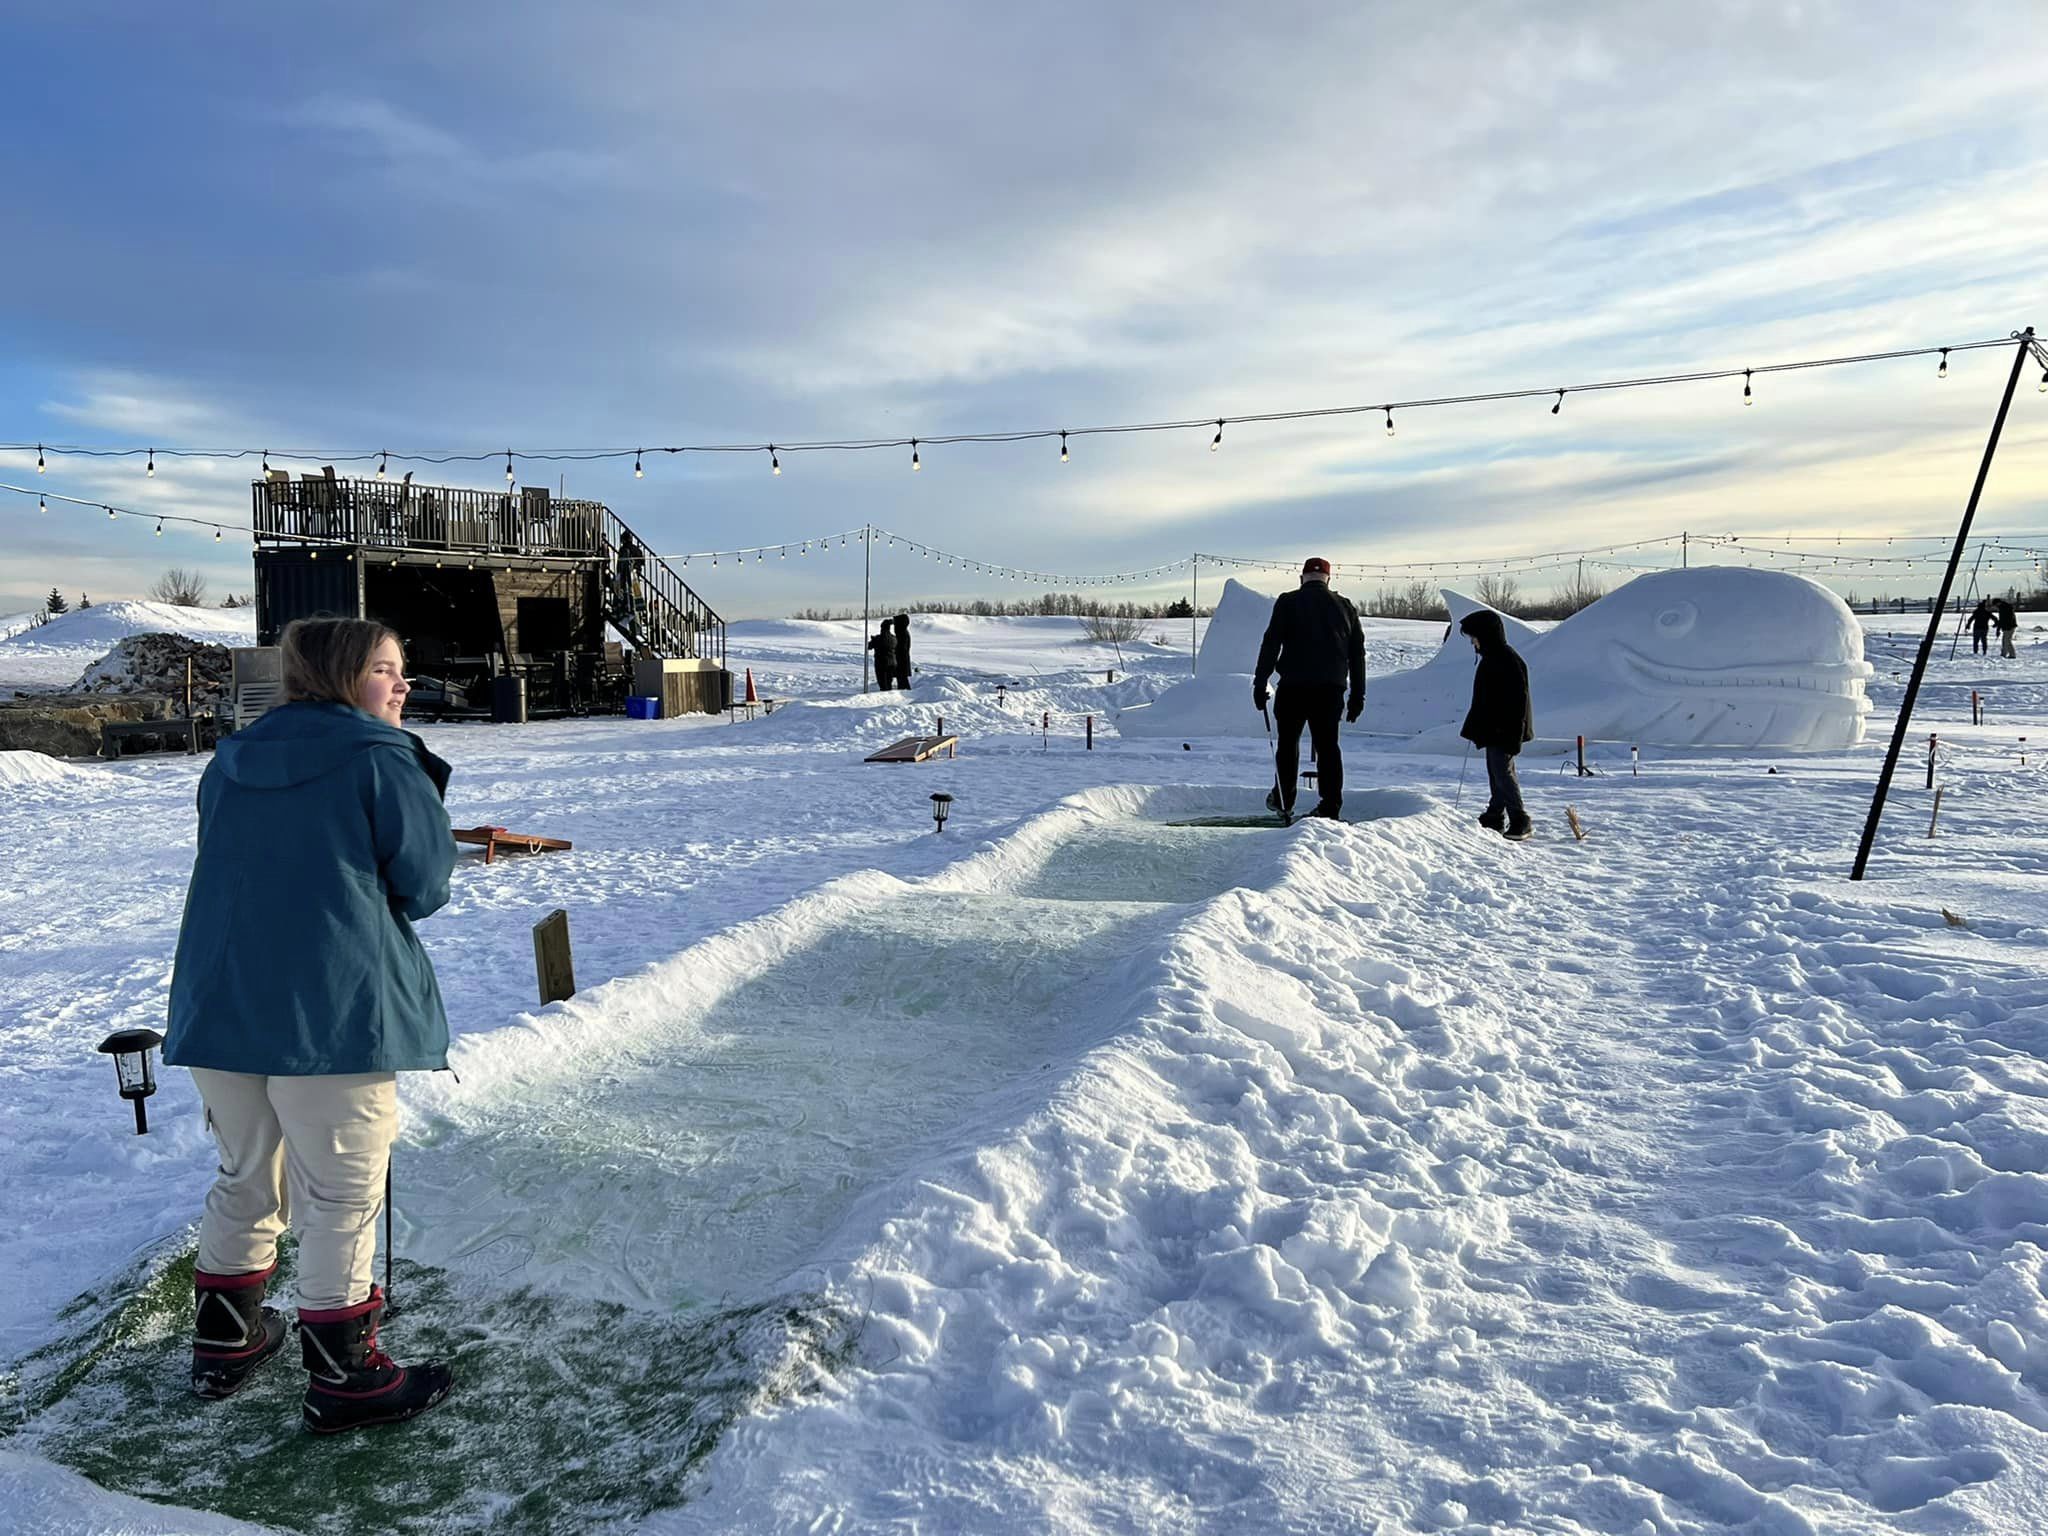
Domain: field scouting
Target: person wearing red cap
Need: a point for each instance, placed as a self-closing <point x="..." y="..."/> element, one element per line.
<point x="1315" y="643"/>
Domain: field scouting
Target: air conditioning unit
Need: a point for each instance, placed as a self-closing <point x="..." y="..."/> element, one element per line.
<point x="256" y="681"/>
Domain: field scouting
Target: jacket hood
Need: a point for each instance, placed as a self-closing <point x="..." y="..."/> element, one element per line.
<point x="296" y="743"/>
<point x="1484" y="625"/>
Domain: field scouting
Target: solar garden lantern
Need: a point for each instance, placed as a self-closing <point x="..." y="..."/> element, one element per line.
<point x="942" y="806"/>
<point x="133" y="1068"/>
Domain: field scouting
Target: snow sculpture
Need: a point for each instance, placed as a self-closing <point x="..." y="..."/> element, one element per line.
<point x="1716" y="656"/>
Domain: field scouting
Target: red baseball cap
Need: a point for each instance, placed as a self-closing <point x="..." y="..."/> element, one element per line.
<point x="1315" y="564"/>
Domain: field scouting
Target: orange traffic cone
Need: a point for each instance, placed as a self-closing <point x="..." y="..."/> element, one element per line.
<point x="752" y="697"/>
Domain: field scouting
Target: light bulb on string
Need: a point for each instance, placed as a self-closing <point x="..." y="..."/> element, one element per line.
<point x="159" y="527"/>
<point x="774" y="461"/>
<point x="149" y="469"/>
<point x="1559" y="405"/>
<point x="1217" y="441"/>
<point x="216" y="539"/>
<point x="785" y="552"/>
<point x="1390" y="420"/>
<point x="638" y="472"/>
<point x="266" y="463"/>
<point x="759" y="556"/>
<point x="2042" y="387"/>
<point x="915" y="462"/>
<point x="1942" y="371"/>
<point x="110" y="514"/>
<point x="1747" y="397"/>
<point x="1063" y="447"/>
<point x="382" y="460"/>
<point x="39" y="458"/>
<point x="42" y="505"/>
<point x="508" y="466"/>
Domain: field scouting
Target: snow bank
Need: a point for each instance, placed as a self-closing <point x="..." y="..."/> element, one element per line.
<point x="18" y="770"/>
<point x="104" y="625"/>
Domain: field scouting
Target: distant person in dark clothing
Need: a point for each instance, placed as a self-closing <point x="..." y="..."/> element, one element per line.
<point x="1313" y="640"/>
<point x="883" y="644"/>
<point x="1499" y="721"/>
<point x="1980" y="628"/>
<point x="2008" y="621"/>
<point x="902" y="623"/>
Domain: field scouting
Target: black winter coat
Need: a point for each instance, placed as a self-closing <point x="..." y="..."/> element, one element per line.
<point x="1314" y="638"/>
<point x="1501" y="715"/>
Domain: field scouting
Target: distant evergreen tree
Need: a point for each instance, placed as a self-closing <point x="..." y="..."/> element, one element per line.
<point x="84" y="602"/>
<point x="55" y="602"/>
<point x="1180" y="608"/>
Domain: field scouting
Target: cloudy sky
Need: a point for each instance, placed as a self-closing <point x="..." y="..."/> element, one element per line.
<point x="462" y="226"/>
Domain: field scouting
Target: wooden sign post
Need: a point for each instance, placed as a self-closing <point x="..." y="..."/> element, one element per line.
<point x="551" y="961"/>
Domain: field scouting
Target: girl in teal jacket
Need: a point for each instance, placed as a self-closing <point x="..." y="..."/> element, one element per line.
<point x="300" y="992"/>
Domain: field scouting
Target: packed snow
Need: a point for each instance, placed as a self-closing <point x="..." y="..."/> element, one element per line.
<point x="1098" y="1165"/>
<point x="1715" y="656"/>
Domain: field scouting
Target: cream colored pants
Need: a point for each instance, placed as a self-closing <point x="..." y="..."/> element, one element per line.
<point x="312" y="1150"/>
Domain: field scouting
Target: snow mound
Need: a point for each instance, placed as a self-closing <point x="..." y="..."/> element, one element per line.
<point x="1235" y="631"/>
<point x="107" y="624"/>
<point x="21" y="769"/>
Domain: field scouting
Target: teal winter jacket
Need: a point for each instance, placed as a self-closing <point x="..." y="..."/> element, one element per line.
<point x="322" y="839"/>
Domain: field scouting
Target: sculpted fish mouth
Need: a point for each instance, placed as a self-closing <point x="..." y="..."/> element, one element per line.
<point x="1832" y="684"/>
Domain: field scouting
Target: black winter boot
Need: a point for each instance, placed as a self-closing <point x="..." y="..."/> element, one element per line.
<point x="1494" y="821"/>
<point x="353" y="1383"/>
<point x="232" y="1333"/>
<point x="1519" y="829"/>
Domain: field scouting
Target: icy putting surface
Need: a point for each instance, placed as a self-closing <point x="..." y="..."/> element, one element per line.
<point x="624" y="1257"/>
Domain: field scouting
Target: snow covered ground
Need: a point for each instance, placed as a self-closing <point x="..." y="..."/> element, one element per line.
<point x="55" y="655"/>
<point x="1075" y="1170"/>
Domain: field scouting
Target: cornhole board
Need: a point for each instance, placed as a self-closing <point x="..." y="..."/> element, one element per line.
<point x="491" y="839"/>
<point x="915" y="749"/>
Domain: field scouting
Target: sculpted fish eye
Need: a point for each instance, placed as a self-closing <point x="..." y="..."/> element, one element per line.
<point x="1677" y="619"/>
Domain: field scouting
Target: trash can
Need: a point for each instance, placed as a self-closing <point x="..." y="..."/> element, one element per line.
<point x="640" y="706"/>
<point x="508" y="700"/>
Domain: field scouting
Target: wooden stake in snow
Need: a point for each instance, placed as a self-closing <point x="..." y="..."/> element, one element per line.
<point x="1572" y="816"/>
<point x="552" y="964"/>
<point x="1931" y="820"/>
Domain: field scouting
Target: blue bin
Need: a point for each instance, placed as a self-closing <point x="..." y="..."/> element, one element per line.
<point x="643" y="707"/>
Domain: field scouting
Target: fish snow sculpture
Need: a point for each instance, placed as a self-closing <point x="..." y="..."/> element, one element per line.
<point x="1716" y="656"/>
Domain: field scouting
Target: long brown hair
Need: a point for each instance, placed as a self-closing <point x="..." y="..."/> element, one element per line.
<point x="327" y="659"/>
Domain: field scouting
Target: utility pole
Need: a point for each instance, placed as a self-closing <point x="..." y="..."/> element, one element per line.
<point x="867" y="566"/>
<point x="1891" y="758"/>
<point x="1194" y="607"/>
<point x="1685" y="551"/>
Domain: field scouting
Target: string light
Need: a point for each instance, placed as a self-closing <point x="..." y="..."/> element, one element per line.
<point x="774" y="461"/>
<point x="149" y="469"/>
<point x="1747" y="397"/>
<point x="1390" y="421"/>
<point x="39" y="458"/>
<point x="1063" y="447"/>
<point x="638" y="472"/>
<point x="110" y="514"/>
<point x="1942" y="371"/>
<point x="915" y="462"/>
<point x="508" y="466"/>
<point x="44" y="506"/>
<point x="382" y="460"/>
<point x="2042" y="387"/>
<point x="266" y="463"/>
<point x="159" y="527"/>
<point x="216" y="539"/>
<point x="1560" y="403"/>
<point x="1217" y="441"/>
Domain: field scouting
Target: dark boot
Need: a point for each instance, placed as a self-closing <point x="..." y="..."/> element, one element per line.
<point x="232" y="1333"/>
<point x="354" y="1383"/>
<point x="1328" y="811"/>
<point x="1519" y="829"/>
<point x="1494" y="820"/>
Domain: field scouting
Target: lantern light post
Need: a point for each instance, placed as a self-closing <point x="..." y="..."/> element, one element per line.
<point x="133" y="1068"/>
<point x="942" y="806"/>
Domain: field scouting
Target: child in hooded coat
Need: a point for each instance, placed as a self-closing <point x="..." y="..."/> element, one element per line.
<point x="1500" y="720"/>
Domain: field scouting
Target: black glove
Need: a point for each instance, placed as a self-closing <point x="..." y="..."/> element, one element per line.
<point x="1259" y="698"/>
<point x="1354" y="709"/>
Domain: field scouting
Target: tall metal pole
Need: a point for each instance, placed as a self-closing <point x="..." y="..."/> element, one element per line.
<point x="867" y="568"/>
<point x="1948" y="579"/>
<point x="1194" y="606"/>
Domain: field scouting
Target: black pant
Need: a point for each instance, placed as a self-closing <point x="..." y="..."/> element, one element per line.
<point x="1980" y="640"/>
<point x="1318" y="706"/>
<point x="1504" y="790"/>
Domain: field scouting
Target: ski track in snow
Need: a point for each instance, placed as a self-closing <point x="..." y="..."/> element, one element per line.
<point x="1375" y="1177"/>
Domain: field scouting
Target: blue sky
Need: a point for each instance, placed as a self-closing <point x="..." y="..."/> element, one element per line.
<point x="460" y="226"/>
